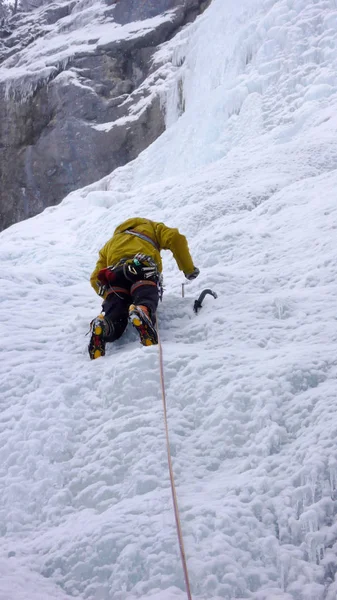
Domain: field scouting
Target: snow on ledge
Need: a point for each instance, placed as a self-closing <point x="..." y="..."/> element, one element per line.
<point x="33" y="67"/>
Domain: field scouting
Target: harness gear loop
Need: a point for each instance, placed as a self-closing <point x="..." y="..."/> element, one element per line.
<point x="173" y="488"/>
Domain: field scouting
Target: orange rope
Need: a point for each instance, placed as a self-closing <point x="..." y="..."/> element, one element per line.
<point x="173" y="488"/>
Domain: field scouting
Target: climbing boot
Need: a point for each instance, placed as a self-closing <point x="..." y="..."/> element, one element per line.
<point x="98" y="329"/>
<point x="140" y="318"/>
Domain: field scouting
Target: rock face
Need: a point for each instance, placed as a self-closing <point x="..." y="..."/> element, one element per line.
<point x="79" y="94"/>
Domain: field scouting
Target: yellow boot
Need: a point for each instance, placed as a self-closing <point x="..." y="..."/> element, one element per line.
<point x="96" y="346"/>
<point x="140" y="318"/>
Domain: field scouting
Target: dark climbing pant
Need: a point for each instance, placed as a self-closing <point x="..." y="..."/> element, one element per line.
<point x="123" y="293"/>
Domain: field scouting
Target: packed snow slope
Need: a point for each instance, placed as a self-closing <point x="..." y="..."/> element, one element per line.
<point x="249" y="173"/>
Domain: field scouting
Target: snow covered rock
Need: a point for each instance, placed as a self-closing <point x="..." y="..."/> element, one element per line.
<point x="79" y="94"/>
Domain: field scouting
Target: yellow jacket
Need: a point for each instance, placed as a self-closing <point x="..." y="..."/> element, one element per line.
<point x="125" y="245"/>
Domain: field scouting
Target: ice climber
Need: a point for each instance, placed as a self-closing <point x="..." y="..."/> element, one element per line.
<point x="128" y="277"/>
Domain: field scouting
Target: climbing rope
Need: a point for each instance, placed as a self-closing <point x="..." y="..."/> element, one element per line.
<point x="173" y="488"/>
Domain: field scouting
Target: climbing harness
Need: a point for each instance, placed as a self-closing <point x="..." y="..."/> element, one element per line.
<point x="140" y="266"/>
<point x="173" y="488"/>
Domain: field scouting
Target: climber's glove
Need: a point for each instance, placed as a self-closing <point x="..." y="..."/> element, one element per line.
<point x="193" y="275"/>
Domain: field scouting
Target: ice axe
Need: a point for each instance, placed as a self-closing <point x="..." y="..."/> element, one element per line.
<point x="198" y="303"/>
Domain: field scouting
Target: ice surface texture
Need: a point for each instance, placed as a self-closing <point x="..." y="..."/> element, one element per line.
<point x="247" y="170"/>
